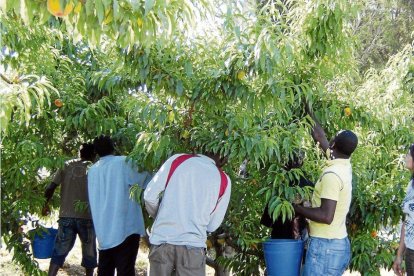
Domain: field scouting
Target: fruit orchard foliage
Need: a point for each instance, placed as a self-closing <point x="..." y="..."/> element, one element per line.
<point x="239" y="91"/>
<point x="127" y="22"/>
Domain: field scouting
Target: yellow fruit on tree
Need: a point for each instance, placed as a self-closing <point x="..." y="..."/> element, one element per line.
<point x="77" y="8"/>
<point x="108" y="17"/>
<point x="347" y="111"/>
<point x="374" y="234"/>
<point x="171" y="116"/>
<point x="185" y="134"/>
<point x="226" y="132"/>
<point x="68" y="9"/>
<point x="221" y="241"/>
<point x="241" y="74"/>
<point x="55" y="7"/>
<point x="140" y="22"/>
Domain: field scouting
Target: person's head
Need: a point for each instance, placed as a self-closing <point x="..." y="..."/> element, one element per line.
<point x="103" y="145"/>
<point x="87" y="152"/>
<point x="296" y="161"/>
<point x="343" y="144"/>
<point x="409" y="159"/>
<point x="220" y="160"/>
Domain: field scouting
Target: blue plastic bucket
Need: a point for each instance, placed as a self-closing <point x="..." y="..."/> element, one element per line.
<point x="43" y="243"/>
<point x="283" y="257"/>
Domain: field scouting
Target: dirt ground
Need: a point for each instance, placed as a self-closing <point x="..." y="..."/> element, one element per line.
<point x="72" y="265"/>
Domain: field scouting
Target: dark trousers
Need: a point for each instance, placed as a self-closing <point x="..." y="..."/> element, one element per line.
<point x="121" y="257"/>
<point x="66" y="237"/>
<point x="409" y="261"/>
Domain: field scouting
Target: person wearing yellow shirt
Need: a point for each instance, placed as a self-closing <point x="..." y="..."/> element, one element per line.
<point x="329" y="249"/>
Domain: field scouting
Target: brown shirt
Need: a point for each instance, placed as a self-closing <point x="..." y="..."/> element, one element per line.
<point x="74" y="189"/>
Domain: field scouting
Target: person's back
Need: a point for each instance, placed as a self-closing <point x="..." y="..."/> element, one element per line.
<point x="193" y="191"/>
<point x="188" y="197"/>
<point x="74" y="216"/>
<point x="330" y="204"/>
<point x="115" y="214"/>
<point x="74" y="189"/>
<point x="117" y="218"/>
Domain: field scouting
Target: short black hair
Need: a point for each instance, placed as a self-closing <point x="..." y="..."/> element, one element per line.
<point x="296" y="160"/>
<point x="87" y="151"/>
<point x="103" y="145"/>
<point x="346" y="142"/>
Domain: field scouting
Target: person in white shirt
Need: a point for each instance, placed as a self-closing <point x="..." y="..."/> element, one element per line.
<point x="188" y="197"/>
<point x="406" y="247"/>
<point x="117" y="218"/>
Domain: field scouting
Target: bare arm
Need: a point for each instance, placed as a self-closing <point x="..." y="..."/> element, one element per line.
<point x="323" y="214"/>
<point x="50" y="191"/>
<point x="400" y="253"/>
<point x="318" y="133"/>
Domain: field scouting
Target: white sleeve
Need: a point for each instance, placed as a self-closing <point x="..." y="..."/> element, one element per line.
<point x="409" y="187"/>
<point x="156" y="186"/>
<point x="217" y="216"/>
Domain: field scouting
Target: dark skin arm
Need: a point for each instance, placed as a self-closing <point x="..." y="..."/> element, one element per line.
<point x="318" y="133"/>
<point x="48" y="195"/>
<point x="323" y="214"/>
<point x="50" y="190"/>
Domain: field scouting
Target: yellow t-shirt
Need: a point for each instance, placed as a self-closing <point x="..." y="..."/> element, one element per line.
<point x="335" y="184"/>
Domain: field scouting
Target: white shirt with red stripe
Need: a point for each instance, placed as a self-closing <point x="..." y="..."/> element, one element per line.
<point x="189" y="206"/>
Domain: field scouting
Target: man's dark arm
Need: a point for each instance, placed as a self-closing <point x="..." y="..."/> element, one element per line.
<point x="48" y="195"/>
<point x="318" y="133"/>
<point x="50" y="190"/>
<point x="323" y="214"/>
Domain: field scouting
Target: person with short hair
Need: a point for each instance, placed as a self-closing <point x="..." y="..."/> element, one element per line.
<point x="188" y="197"/>
<point x="74" y="215"/>
<point x="329" y="250"/>
<point x="296" y="228"/>
<point x="406" y="247"/>
<point x="118" y="219"/>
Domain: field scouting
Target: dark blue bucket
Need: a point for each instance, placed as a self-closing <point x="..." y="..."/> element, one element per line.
<point x="283" y="257"/>
<point x="43" y="243"/>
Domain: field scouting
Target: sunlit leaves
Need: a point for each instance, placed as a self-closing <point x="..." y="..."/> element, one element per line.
<point x="128" y="22"/>
<point x="22" y="97"/>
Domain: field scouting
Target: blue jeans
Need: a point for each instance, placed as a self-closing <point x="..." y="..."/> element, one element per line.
<point x="327" y="257"/>
<point x="66" y="237"/>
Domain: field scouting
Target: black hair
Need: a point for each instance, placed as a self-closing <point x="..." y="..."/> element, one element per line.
<point x="346" y="142"/>
<point x="87" y="151"/>
<point x="103" y="145"/>
<point x="296" y="160"/>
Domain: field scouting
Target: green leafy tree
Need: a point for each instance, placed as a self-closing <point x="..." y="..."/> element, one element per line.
<point x="237" y="86"/>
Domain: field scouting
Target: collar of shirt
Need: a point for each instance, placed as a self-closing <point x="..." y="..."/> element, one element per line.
<point x="338" y="161"/>
<point x="106" y="156"/>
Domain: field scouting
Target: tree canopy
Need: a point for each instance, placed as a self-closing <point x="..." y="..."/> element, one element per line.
<point x="163" y="77"/>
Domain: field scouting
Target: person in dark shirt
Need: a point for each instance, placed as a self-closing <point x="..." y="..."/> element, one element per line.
<point x="289" y="229"/>
<point x="74" y="217"/>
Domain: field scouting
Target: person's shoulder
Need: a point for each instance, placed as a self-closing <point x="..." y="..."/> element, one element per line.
<point x="118" y="159"/>
<point x="72" y="162"/>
